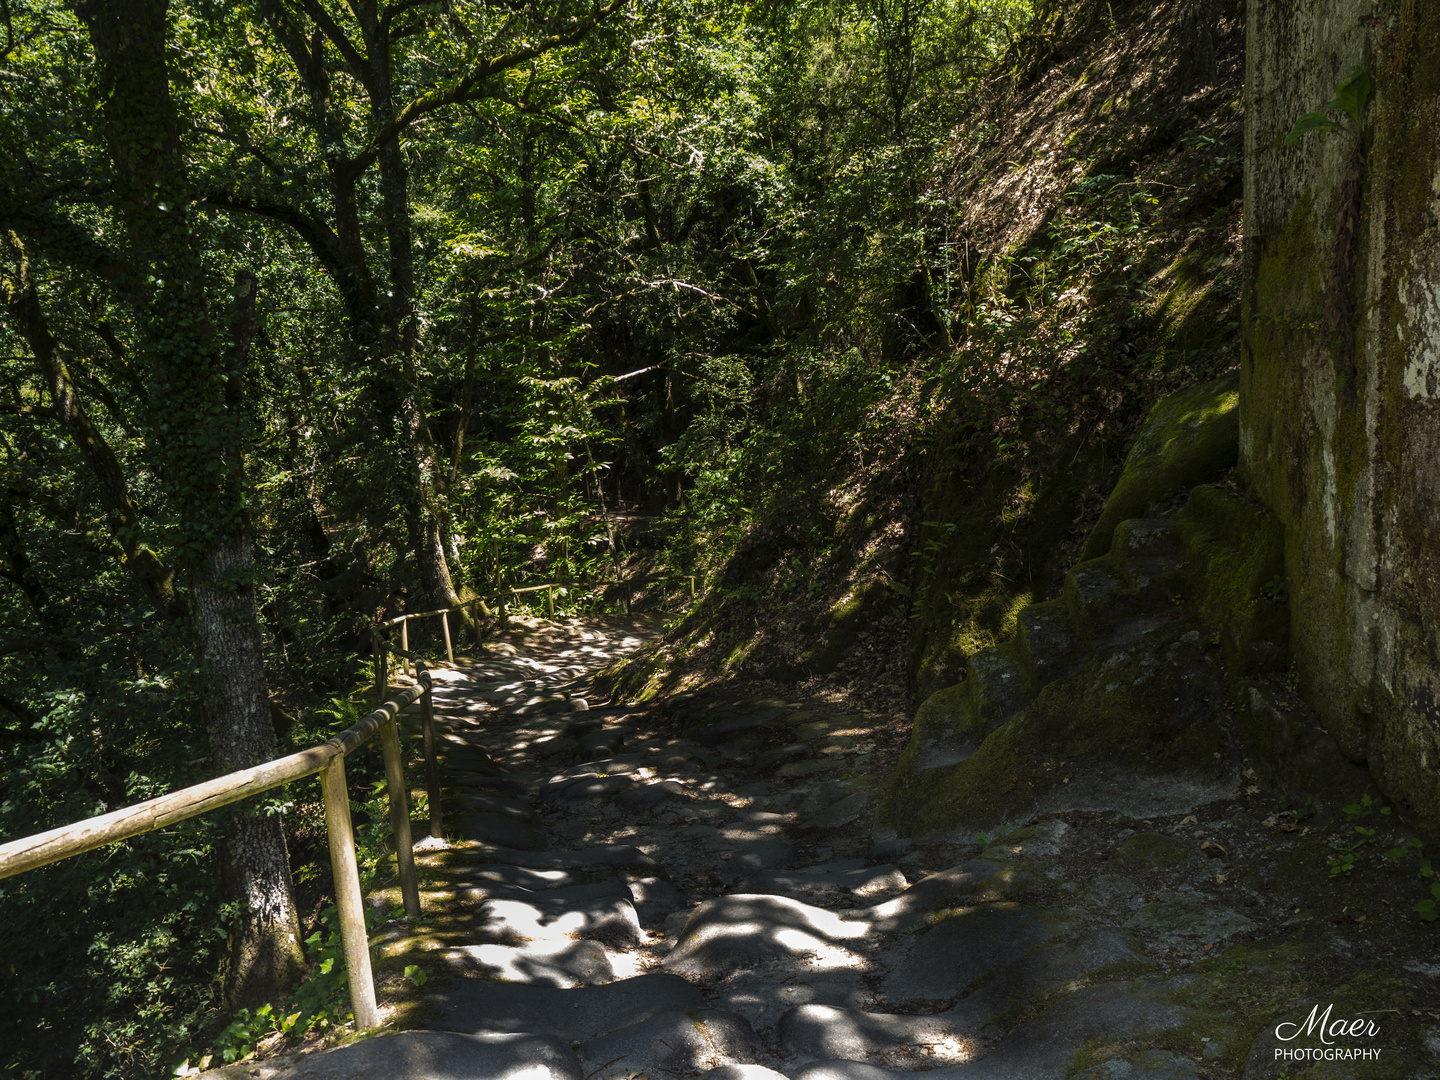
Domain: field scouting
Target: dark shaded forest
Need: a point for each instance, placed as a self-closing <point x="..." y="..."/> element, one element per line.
<point x="815" y="332"/>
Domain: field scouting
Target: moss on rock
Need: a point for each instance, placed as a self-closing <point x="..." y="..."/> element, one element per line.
<point x="1152" y="707"/>
<point x="1188" y="438"/>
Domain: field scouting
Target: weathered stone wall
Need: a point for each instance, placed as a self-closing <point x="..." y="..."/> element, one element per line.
<point x="1340" y="377"/>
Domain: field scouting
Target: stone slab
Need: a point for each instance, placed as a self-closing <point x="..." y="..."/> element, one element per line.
<point x="971" y="945"/>
<point x="563" y="964"/>
<point x="1045" y="1044"/>
<point x="1188" y="916"/>
<point x="655" y="899"/>
<point x="500" y="876"/>
<point x="816" y="882"/>
<point x="844" y="1070"/>
<point x="825" y="1032"/>
<point x="615" y="855"/>
<point x="577" y="1016"/>
<point x="674" y="1041"/>
<point x="741" y="1072"/>
<point x="422" y="1055"/>
<point x="602" y="911"/>
<point x="644" y="796"/>
<point x="733" y="931"/>
<point x="505" y="831"/>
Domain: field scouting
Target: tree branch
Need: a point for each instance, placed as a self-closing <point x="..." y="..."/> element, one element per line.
<point x="469" y="86"/>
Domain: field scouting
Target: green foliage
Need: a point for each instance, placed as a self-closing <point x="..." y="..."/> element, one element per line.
<point x="321" y="1000"/>
<point x="1425" y="870"/>
<point x="1351" y="94"/>
<point x="1344" y="862"/>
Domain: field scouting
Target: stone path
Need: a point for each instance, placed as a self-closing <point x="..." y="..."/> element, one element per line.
<point x="694" y="888"/>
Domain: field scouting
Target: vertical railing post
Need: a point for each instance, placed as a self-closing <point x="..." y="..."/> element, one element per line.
<point x="432" y="767"/>
<point x="485" y="612"/>
<point x="405" y="661"/>
<point x="504" y="616"/>
<point x="382" y="667"/>
<point x="550" y="602"/>
<point x="354" y="940"/>
<point x="445" y="625"/>
<point x="400" y="816"/>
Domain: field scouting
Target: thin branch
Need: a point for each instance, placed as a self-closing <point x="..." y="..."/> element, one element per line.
<point x="470" y="86"/>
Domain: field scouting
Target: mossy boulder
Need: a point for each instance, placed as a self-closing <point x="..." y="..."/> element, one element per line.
<point x="1149" y="708"/>
<point x="1188" y="439"/>
<point x="950" y="712"/>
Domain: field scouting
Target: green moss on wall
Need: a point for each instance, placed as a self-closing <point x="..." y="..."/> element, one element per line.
<point x="1236" y="576"/>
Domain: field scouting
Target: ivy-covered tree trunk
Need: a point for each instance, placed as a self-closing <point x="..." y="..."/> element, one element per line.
<point x="196" y="430"/>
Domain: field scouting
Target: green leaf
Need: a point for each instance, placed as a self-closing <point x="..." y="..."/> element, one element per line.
<point x="1315" y="121"/>
<point x="1352" y="93"/>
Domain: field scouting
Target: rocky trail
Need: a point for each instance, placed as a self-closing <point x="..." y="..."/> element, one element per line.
<point x="696" y="887"/>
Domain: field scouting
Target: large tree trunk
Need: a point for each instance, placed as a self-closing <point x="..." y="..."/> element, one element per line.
<point x="196" y="431"/>
<point x="254" y="867"/>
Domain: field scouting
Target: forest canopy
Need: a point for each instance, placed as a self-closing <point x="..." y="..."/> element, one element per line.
<point x="315" y="312"/>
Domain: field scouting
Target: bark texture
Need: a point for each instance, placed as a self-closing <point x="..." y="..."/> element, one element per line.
<point x="264" y="955"/>
<point x="1340" y="376"/>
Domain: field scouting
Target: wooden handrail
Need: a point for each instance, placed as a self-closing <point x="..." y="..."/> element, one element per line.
<point x="403" y="619"/>
<point x="327" y="759"/>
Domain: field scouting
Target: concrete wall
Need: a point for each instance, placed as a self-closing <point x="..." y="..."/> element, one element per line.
<point x="1340" y="377"/>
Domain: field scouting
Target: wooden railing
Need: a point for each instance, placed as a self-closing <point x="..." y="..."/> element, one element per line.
<point x="501" y="611"/>
<point x="328" y="760"/>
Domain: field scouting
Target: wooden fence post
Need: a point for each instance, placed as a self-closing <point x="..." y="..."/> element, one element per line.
<point x="400" y="817"/>
<point x="382" y="668"/>
<point x="354" y="940"/>
<point x="445" y="625"/>
<point x="550" y="601"/>
<point x="432" y="767"/>
<point x="405" y="662"/>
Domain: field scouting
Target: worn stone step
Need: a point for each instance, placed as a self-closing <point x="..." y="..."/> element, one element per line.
<point x="614" y="855"/>
<point x="822" y="883"/>
<point x="576" y="1016"/>
<point x="488" y="802"/>
<point x="502" y="829"/>
<point x="675" y="1042"/>
<point x="1046" y="645"/>
<point x="423" y="1055"/>
<point x="563" y="964"/>
<point x="827" y="1032"/>
<point x="998" y="686"/>
<point x="1097" y="596"/>
<point x="744" y="928"/>
<point x="965" y="948"/>
<point x="603" y="911"/>
<point x="500" y="877"/>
